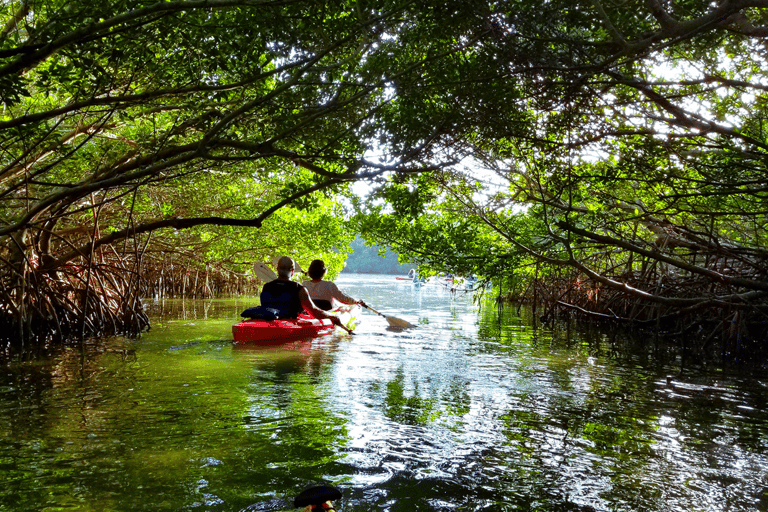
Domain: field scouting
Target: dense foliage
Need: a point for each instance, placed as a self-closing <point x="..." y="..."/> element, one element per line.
<point x="617" y="151"/>
<point x="147" y="139"/>
<point x="614" y="163"/>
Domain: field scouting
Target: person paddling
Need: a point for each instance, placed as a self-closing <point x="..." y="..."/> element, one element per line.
<point x="291" y="298"/>
<point x="324" y="292"/>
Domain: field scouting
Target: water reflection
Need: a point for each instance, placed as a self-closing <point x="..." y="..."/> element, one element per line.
<point x="476" y="408"/>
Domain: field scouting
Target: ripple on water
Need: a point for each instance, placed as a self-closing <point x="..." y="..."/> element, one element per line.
<point x="473" y="409"/>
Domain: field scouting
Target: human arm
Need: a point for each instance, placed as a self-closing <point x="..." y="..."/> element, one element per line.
<point x="309" y="307"/>
<point x="343" y="297"/>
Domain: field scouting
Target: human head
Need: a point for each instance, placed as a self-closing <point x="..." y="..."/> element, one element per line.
<point x="316" y="269"/>
<point x="285" y="266"/>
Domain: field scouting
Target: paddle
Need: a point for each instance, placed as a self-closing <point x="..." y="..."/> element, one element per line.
<point x="263" y="272"/>
<point x="393" y="321"/>
<point x="349" y="331"/>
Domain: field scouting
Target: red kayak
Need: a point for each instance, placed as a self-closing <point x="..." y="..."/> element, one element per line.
<point x="278" y="331"/>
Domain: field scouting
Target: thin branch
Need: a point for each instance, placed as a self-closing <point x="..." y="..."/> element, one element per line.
<point x="695" y="269"/>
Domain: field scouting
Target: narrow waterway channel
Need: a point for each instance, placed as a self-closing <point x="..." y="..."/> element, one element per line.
<point x="473" y="409"/>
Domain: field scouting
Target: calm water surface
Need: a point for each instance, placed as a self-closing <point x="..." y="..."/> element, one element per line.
<point x="474" y="409"/>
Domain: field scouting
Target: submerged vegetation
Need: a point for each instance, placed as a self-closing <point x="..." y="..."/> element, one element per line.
<point x="602" y="160"/>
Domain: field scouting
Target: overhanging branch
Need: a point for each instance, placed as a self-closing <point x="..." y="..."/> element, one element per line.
<point x="184" y="223"/>
<point x="695" y="269"/>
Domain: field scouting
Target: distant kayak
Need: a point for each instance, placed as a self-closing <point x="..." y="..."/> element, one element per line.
<point x="279" y="331"/>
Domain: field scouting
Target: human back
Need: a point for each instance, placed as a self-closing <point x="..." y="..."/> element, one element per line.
<point x="323" y="292"/>
<point x="282" y="295"/>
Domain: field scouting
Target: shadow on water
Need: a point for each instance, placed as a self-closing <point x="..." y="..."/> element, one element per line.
<point x="475" y="408"/>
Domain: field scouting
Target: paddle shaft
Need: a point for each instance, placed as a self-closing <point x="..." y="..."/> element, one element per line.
<point x="380" y="314"/>
<point x="393" y="321"/>
<point x="350" y="331"/>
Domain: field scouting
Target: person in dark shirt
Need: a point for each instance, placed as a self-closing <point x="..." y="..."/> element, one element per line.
<point x="282" y="295"/>
<point x="291" y="298"/>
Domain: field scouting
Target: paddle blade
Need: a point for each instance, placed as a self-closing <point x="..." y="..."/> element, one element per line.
<point x="263" y="272"/>
<point x="296" y="264"/>
<point x="398" y="322"/>
<point x="317" y="496"/>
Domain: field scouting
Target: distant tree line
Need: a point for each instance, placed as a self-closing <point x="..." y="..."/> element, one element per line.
<point x="373" y="260"/>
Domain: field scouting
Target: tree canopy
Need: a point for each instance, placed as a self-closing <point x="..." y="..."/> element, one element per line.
<point x="616" y="152"/>
<point x="622" y="143"/>
<point x="216" y="130"/>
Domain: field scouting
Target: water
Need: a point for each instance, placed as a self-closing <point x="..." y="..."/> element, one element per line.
<point x="474" y="409"/>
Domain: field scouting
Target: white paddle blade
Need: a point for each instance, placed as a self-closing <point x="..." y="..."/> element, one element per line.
<point x="399" y="322"/>
<point x="263" y="272"/>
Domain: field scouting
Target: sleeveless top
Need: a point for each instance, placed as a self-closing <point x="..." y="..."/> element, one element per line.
<point x="322" y="293"/>
<point x="283" y="296"/>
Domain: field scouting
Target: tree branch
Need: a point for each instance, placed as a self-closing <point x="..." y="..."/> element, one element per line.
<point x="182" y="223"/>
<point x="30" y="59"/>
<point x="694" y="269"/>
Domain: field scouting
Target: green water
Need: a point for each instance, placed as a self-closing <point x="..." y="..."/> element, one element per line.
<point x="474" y="409"/>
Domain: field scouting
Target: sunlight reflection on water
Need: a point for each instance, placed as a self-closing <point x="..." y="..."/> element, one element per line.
<point x="473" y="409"/>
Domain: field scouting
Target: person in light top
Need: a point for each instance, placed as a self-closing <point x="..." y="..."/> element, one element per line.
<point x="322" y="292"/>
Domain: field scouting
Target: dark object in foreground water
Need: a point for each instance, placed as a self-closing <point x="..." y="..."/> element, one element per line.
<point x="317" y="496"/>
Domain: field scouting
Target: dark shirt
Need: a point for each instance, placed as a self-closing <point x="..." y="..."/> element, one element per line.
<point x="325" y="305"/>
<point x="283" y="296"/>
